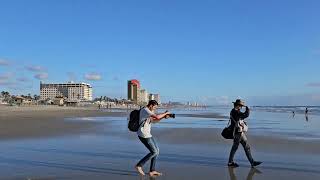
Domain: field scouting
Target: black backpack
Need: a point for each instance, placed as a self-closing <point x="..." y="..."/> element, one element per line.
<point x="133" y="124"/>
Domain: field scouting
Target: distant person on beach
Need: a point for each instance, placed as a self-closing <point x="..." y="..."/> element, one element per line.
<point x="306" y="112"/>
<point x="293" y="113"/>
<point x="147" y="117"/>
<point x="239" y="136"/>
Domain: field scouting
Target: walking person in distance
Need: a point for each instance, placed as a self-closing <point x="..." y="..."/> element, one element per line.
<point x="239" y="127"/>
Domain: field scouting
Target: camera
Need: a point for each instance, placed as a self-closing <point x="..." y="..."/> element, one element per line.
<point x="172" y="115"/>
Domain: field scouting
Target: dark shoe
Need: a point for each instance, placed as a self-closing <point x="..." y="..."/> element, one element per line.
<point x="256" y="163"/>
<point x="233" y="164"/>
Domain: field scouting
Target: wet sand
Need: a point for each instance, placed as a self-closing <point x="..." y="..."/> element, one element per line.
<point x="211" y="136"/>
<point x="205" y="115"/>
<point x="41" y="144"/>
<point x="112" y="157"/>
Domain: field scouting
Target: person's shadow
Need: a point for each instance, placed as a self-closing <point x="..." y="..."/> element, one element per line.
<point x="307" y="117"/>
<point x="251" y="173"/>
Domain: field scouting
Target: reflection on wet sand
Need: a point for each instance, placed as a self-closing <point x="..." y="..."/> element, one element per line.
<point x="147" y="177"/>
<point x="76" y="167"/>
<point x="250" y="175"/>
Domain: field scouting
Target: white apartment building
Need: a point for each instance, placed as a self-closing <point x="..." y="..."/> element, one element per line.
<point x="71" y="91"/>
<point x="155" y="97"/>
<point x="144" y="96"/>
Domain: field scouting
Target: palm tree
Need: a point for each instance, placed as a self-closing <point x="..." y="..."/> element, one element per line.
<point x="5" y="93"/>
<point x="6" y="96"/>
<point x="36" y="97"/>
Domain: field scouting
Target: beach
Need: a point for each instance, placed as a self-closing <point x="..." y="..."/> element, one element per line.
<point x="83" y="143"/>
<point x="44" y="121"/>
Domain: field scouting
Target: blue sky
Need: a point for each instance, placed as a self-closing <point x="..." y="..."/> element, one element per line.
<point x="267" y="52"/>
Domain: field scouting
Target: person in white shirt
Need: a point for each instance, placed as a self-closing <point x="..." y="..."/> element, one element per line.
<point x="147" y="117"/>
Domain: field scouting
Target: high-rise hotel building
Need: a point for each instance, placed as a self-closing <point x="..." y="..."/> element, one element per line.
<point x="71" y="91"/>
<point x="134" y="91"/>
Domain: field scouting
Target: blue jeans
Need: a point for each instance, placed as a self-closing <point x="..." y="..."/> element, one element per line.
<point x="151" y="144"/>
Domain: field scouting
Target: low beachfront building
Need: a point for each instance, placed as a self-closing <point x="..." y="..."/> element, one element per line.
<point x="18" y="100"/>
<point x="58" y="101"/>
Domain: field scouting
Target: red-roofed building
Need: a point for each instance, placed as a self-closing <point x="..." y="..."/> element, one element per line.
<point x="134" y="91"/>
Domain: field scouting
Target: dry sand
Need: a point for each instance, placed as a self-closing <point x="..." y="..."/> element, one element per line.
<point x="43" y="121"/>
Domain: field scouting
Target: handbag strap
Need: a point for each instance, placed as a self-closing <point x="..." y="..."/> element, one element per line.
<point x="228" y="122"/>
<point x="235" y="122"/>
<point x="231" y="118"/>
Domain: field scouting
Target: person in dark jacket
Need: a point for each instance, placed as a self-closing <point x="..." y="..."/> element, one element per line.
<point x="239" y="136"/>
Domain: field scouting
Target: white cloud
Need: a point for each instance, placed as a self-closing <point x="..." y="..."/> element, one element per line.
<point x="6" y="76"/>
<point x="41" y="76"/>
<point x="36" y="68"/>
<point x="5" y="79"/>
<point x="4" y="62"/>
<point x="23" y="79"/>
<point x="93" y="77"/>
<point x="314" y="84"/>
<point x="4" y="82"/>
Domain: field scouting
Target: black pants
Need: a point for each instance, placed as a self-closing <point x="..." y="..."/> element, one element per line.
<point x="240" y="138"/>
